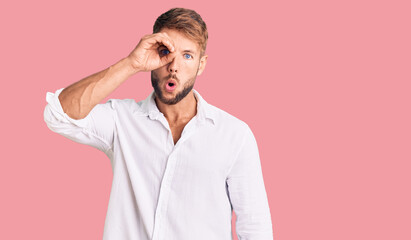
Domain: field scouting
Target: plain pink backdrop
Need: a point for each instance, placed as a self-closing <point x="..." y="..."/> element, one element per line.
<point x="324" y="85"/>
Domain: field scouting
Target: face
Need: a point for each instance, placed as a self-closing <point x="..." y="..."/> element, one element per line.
<point x="183" y="69"/>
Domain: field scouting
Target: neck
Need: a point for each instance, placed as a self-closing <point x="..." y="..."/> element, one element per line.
<point x="182" y="111"/>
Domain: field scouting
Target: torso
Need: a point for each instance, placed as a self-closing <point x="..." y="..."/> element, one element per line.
<point x="176" y="131"/>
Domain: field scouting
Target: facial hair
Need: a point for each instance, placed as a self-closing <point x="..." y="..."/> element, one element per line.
<point x="188" y="86"/>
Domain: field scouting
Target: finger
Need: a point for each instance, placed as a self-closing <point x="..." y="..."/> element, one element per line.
<point x="163" y="39"/>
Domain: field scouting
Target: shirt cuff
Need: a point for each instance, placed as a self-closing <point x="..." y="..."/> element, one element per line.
<point x="54" y="102"/>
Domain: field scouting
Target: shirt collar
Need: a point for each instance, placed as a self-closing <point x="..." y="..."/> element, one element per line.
<point x="204" y="109"/>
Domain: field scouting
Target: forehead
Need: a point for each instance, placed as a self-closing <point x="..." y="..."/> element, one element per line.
<point x="181" y="41"/>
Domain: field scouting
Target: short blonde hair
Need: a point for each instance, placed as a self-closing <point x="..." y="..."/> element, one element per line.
<point x="187" y="21"/>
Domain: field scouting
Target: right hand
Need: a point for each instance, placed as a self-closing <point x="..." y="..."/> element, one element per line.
<point x="146" y="56"/>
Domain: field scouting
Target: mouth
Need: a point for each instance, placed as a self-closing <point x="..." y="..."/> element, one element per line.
<point x="170" y="85"/>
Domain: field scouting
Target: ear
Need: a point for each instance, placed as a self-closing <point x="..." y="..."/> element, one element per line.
<point x="203" y="62"/>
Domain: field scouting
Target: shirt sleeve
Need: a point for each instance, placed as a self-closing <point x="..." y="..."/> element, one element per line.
<point x="97" y="129"/>
<point x="247" y="193"/>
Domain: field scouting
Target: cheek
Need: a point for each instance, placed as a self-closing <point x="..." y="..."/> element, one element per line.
<point x="160" y="72"/>
<point x="186" y="69"/>
<point x="194" y="66"/>
<point x="156" y="75"/>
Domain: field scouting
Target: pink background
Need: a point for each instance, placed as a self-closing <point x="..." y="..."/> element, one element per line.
<point x="324" y="85"/>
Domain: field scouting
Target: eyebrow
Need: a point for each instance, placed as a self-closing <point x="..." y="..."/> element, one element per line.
<point x="190" y="51"/>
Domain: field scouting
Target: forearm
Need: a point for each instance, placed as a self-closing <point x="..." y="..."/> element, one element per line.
<point x="78" y="99"/>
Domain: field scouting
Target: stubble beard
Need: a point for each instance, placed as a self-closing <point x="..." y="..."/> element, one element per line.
<point x="188" y="86"/>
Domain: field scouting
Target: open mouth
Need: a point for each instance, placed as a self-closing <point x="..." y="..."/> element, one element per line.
<point x="171" y="84"/>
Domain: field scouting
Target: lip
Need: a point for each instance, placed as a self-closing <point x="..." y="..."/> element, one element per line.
<point x="169" y="88"/>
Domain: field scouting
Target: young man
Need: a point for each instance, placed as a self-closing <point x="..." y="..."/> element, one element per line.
<point x="180" y="165"/>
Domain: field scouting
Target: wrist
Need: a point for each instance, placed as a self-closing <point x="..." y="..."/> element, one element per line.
<point x="128" y="66"/>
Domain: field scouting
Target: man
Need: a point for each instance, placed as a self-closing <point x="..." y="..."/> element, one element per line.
<point x="180" y="165"/>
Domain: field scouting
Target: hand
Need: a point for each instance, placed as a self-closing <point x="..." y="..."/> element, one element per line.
<point x="146" y="55"/>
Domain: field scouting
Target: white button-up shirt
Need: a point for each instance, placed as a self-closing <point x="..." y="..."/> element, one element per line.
<point x="162" y="191"/>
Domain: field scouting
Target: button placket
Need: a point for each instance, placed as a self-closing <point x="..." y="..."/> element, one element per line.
<point x="163" y="198"/>
<point x="165" y="188"/>
<point x="187" y="131"/>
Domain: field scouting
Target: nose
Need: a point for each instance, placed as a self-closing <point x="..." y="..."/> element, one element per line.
<point x="173" y="66"/>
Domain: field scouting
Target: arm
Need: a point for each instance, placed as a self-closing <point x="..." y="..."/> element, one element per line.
<point x="247" y="193"/>
<point x="75" y="112"/>
<point x="78" y="99"/>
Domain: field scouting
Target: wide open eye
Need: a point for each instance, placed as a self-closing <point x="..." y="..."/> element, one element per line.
<point x="164" y="51"/>
<point x="189" y="56"/>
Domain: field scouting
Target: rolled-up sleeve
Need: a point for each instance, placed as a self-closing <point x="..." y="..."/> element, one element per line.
<point x="97" y="129"/>
<point x="247" y="193"/>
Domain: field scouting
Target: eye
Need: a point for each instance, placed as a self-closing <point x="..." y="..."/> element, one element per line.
<point x="164" y="51"/>
<point x="188" y="55"/>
